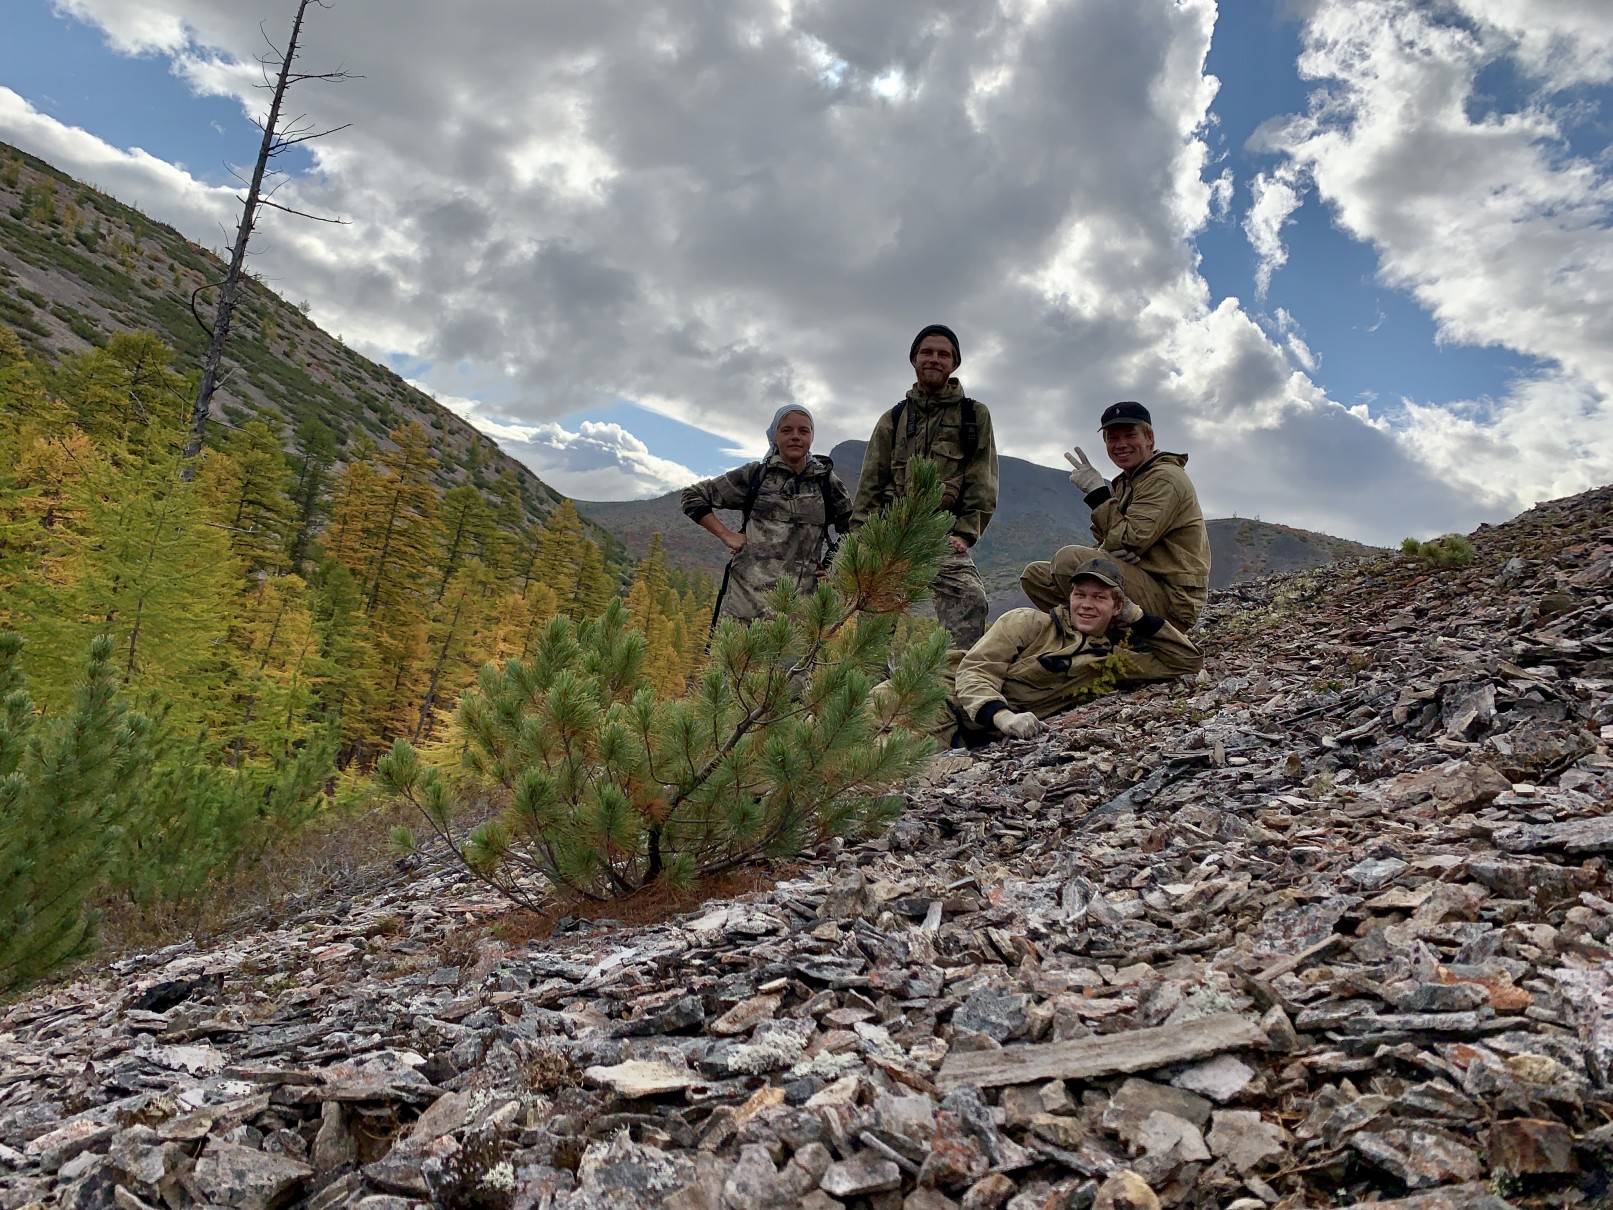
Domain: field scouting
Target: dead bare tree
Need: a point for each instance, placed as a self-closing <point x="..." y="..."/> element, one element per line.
<point x="279" y="136"/>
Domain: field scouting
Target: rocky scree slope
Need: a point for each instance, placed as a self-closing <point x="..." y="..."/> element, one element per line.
<point x="1326" y="925"/>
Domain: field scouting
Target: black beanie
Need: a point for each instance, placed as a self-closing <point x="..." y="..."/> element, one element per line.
<point x="937" y="330"/>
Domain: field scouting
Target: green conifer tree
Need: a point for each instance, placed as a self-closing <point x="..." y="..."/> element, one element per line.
<point x="64" y="787"/>
<point x="99" y="801"/>
<point x="780" y="742"/>
<point x="571" y="564"/>
<point x="253" y="485"/>
<point x="653" y="608"/>
<point x="126" y="393"/>
<point x="316" y="447"/>
<point x="467" y="533"/>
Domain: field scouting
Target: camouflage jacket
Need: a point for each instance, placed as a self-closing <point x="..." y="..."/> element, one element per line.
<point x="1153" y="512"/>
<point x="789" y="524"/>
<point x="937" y="435"/>
<point x="1030" y="660"/>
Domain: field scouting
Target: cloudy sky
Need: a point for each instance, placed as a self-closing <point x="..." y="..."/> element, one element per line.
<point x="1355" y="254"/>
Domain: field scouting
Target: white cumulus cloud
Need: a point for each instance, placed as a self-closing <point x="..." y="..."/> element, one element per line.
<point x="714" y="209"/>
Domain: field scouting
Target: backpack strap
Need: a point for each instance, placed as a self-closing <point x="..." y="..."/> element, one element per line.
<point x="971" y="425"/>
<point x="754" y="490"/>
<point x="971" y="428"/>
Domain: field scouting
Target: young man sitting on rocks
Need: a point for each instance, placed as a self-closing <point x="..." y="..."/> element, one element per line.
<point x="1031" y="665"/>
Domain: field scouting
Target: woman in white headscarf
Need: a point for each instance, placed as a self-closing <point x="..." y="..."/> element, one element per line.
<point x="787" y="503"/>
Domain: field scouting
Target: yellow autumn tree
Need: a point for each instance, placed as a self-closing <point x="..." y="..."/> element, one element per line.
<point x="652" y="607"/>
<point x="571" y="564"/>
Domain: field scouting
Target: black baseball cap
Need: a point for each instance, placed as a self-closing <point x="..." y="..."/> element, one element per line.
<point x="1125" y="412"/>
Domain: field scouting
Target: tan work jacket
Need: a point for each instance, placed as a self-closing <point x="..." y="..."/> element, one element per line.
<point x="1154" y="512"/>
<point x="1030" y="660"/>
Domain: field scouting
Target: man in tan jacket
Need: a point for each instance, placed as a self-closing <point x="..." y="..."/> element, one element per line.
<point x="1031" y="664"/>
<point x="1149" y="521"/>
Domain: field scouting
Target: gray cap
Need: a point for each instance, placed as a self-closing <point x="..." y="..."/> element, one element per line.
<point x="1103" y="570"/>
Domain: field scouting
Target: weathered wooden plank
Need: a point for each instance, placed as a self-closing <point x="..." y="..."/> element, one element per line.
<point x="1085" y="1058"/>
<point x="1294" y="961"/>
<point x="1474" y="1196"/>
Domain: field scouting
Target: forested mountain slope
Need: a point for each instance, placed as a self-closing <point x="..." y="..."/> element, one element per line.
<point x="78" y="266"/>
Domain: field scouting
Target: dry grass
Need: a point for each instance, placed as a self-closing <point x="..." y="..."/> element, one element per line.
<point x="650" y="905"/>
<point x="337" y="858"/>
<point x="332" y="858"/>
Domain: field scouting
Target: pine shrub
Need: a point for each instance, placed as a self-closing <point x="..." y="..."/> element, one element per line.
<point x="104" y="801"/>
<point x="1447" y="550"/>
<point x="779" y="741"/>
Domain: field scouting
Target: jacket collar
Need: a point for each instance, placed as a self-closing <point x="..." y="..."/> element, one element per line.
<point x="1067" y="631"/>
<point x="815" y="465"/>
<point x="924" y="402"/>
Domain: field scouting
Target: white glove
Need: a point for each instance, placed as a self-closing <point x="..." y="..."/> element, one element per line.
<point x="1018" y="726"/>
<point x="1127" y="556"/>
<point x="1132" y="612"/>
<point x="1086" y="477"/>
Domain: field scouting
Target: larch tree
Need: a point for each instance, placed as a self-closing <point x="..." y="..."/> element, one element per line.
<point x="572" y="564"/>
<point x="652" y="606"/>
<point x="254" y="489"/>
<point x="316" y="448"/>
<point x="468" y="532"/>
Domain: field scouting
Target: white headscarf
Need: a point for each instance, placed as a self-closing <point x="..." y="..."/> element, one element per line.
<point x="772" y="429"/>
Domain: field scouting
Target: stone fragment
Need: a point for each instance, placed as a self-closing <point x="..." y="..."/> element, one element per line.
<point x="642" y="1078"/>
<point x="624" y="1175"/>
<point x="683" y="1013"/>
<point x="911" y="1115"/>
<point x="1220" y="1079"/>
<point x="51" y="1150"/>
<point x="1061" y="1131"/>
<point x="994" y="1012"/>
<point x="1375" y="872"/>
<point x="1168" y="1137"/>
<point x="443" y="1116"/>
<point x="334" y="1148"/>
<point x="125" y="1199"/>
<point x="1244" y="1139"/>
<point x="928" y="1199"/>
<point x="746" y="1015"/>
<point x="863" y="1174"/>
<point x="1467" y="709"/>
<point x="848" y="898"/>
<point x="1455" y="1197"/>
<point x="1530" y="1145"/>
<point x="1437" y="997"/>
<point x="957" y="1158"/>
<point x="1453" y="786"/>
<point x="1125" y="1190"/>
<point x="1573" y="836"/>
<point x="1136" y="1099"/>
<point x="241" y="1177"/>
<point x="1419" y="1158"/>
<point x="990" y="1192"/>
<point x="753" y="1181"/>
